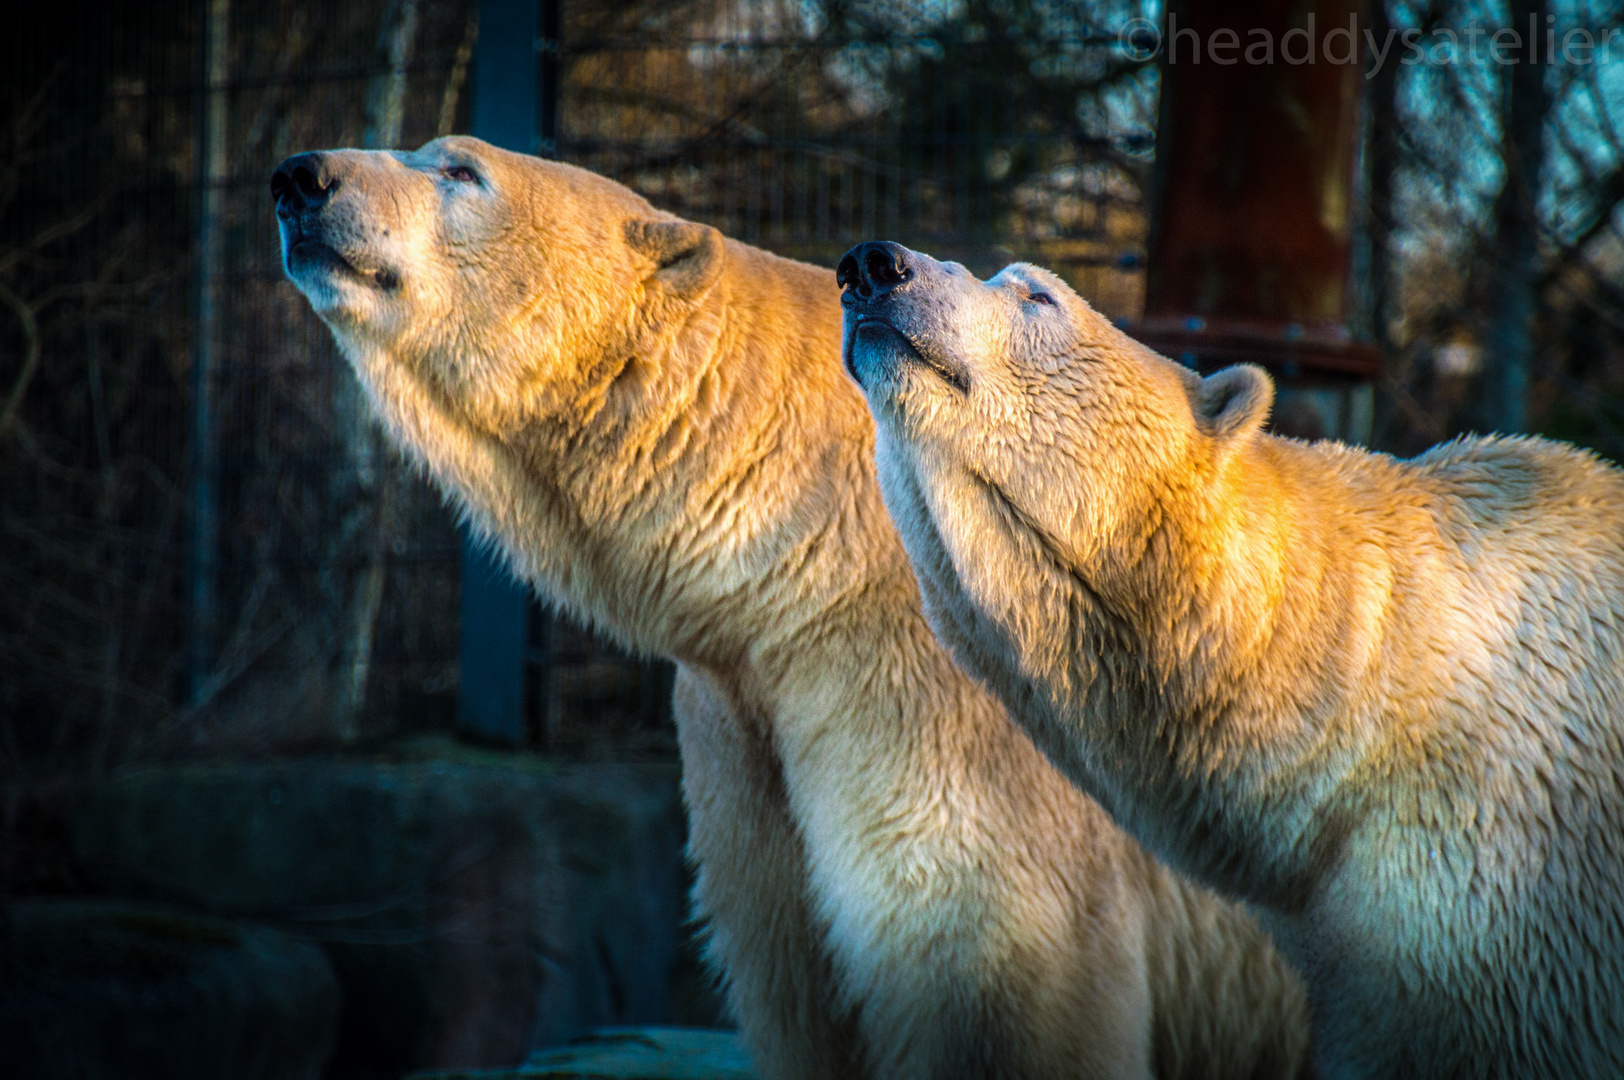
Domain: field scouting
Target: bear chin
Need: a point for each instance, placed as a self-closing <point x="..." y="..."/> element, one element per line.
<point x="878" y="354"/>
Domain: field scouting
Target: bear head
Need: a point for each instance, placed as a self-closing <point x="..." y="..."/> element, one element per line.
<point x="1034" y="457"/>
<point x="492" y="282"/>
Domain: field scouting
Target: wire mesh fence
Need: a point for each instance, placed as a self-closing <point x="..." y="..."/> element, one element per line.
<point x="207" y="544"/>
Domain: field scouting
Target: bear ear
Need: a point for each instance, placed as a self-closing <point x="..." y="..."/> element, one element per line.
<point x="1232" y="402"/>
<point x="687" y="256"/>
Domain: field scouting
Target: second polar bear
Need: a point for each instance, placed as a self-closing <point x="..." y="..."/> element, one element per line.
<point x="1381" y="700"/>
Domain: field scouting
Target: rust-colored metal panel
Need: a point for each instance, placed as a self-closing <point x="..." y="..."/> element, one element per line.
<point x="1253" y="210"/>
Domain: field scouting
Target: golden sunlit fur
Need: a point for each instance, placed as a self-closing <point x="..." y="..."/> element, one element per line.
<point x="653" y="425"/>
<point x="1379" y="699"/>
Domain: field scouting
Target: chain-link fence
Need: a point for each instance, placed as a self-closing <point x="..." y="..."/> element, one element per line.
<point x="206" y="543"/>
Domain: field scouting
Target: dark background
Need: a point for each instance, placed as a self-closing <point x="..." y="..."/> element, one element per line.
<point x="1487" y="239"/>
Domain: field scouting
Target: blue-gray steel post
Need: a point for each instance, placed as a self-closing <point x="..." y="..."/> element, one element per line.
<point x="512" y="97"/>
<point x="212" y="167"/>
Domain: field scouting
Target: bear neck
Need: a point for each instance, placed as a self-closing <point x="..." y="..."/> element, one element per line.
<point x="710" y="496"/>
<point x="1204" y="652"/>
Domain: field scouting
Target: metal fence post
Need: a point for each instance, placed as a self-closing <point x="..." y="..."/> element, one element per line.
<point x="212" y="163"/>
<point x="494" y="649"/>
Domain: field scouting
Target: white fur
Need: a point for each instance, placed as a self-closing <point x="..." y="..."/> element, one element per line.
<point x="1381" y="700"/>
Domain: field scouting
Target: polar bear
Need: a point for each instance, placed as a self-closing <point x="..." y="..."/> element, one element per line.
<point x="1379" y="700"/>
<point x="653" y="424"/>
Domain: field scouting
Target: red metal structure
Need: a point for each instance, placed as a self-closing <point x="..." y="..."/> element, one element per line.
<point x="1251" y="245"/>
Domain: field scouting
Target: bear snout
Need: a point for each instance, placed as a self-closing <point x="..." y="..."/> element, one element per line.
<point x="302" y="183"/>
<point x="323" y="234"/>
<point x="872" y="269"/>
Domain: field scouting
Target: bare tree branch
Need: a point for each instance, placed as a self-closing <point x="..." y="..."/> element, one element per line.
<point x="31" y="353"/>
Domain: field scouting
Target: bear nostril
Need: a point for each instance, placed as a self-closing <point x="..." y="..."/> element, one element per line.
<point x="846" y="275"/>
<point x="308" y="184"/>
<point x="882" y="268"/>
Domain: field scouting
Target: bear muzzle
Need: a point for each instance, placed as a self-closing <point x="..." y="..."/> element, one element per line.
<point x="303" y="188"/>
<point x="878" y="279"/>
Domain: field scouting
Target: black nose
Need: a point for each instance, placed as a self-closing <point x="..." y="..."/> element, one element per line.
<point x="302" y="182"/>
<point x="873" y="269"/>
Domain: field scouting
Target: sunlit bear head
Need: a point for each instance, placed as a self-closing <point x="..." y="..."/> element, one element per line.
<point x="498" y="283"/>
<point x="1034" y="457"/>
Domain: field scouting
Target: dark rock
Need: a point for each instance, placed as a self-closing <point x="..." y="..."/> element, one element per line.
<point x="649" y="1053"/>
<point x="473" y="909"/>
<point x="92" y="989"/>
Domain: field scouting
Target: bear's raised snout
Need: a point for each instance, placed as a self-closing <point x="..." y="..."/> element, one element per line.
<point x="302" y="182"/>
<point x="873" y="269"/>
<point x="333" y="236"/>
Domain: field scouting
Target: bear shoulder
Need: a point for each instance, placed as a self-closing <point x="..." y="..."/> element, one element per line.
<point x="1523" y="484"/>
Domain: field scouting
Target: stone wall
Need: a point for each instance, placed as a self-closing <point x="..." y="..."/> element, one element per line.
<point x="473" y="906"/>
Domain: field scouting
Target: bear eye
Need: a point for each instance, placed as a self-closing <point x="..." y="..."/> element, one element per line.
<point x="462" y="174"/>
<point x="1041" y="298"/>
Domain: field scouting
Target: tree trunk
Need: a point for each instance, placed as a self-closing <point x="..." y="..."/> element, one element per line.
<point x="373" y="480"/>
<point x="1383" y="160"/>
<point x="1516" y="239"/>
